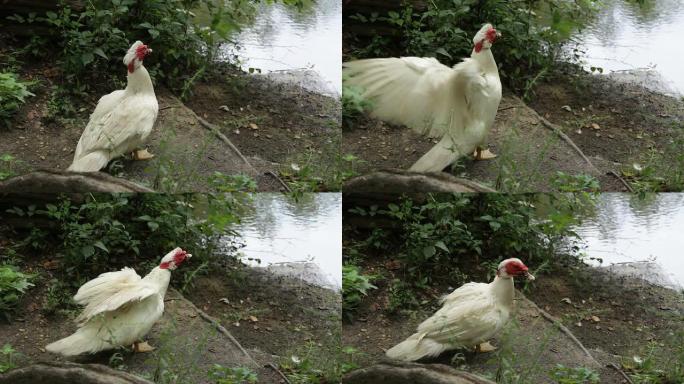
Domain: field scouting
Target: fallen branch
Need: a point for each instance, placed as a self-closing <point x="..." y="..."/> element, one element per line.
<point x="623" y="181"/>
<point x="273" y="367"/>
<point x="621" y="372"/>
<point x="561" y="134"/>
<point x="270" y="173"/>
<point x="216" y="131"/>
<point x="218" y="326"/>
<point x="169" y="107"/>
<point x="562" y="327"/>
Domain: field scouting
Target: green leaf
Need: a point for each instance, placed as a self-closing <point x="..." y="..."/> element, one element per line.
<point x="87" y="58"/>
<point x="153" y="226"/>
<point x="153" y="32"/>
<point x="100" y="52"/>
<point x="429" y="251"/>
<point x="101" y="245"/>
<point x="443" y="51"/>
<point x="440" y="244"/>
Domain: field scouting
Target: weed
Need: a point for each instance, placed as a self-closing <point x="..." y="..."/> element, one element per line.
<point x="7" y="166"/>
<point x="13" y="284"/>
<point x="58" y="298"/>
<point x="13" y="94"/>
<point x="656" y="368"/>
<point x="575" y="183"/>
<point x="353" y="103"/>
<point x="354" y="287"/>
<point x="579" y="375"/>
<point x="232" y="183"/>
<point x="238" y="375"/>
<point x="402" y="296"/>
<point x="7" y="354"/>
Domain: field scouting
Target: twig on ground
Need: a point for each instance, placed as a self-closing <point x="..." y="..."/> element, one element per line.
<point x="270" y="173"/>
<point x="563" y="328"/>
<point x="621" y="372"/>
<point x="169" y="107"/>
<point x="623" y="181"/>
<point x="509" y="107"/>
<point x="273" y="367"/>
<point x="215" y="130"/>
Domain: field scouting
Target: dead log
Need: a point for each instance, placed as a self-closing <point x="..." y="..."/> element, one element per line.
<point x="41" y="183"/>
<point x="68" y="373"/>
<point x="400" y="373"/>
<point x="397" y="182"/>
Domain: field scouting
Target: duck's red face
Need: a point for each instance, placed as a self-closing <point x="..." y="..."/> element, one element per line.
<point x="492" y="35"/>
<point x="174" y="258"/>
<point x="142" y="51"/>
<point x="513" y="268"/>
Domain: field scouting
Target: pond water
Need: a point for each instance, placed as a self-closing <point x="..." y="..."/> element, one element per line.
<point x="639" y="43"/>
<point x="643" y="237"/>
<point x="298" y="46"/>
<point x="301" y="239"/>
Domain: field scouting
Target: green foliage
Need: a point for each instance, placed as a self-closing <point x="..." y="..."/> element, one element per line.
<point x="353" y="103"/>
<point x="433" y="238"/>
<point x="13" y="284"/>
<point x="7" y="354"/>
<point x="354" y="287"/>
<point x="58" y="298"/>
<point x="578" y="375"/>
<point x="108" y="231"/>
<point x="656" y="368"/>
<point x="401" y="296"/>
<point x="660" y="171"/>
<point x="532" y="33"/>
<point x="232" y="183"/>
<point x="575" y="183"/>
<point x="7" y="166"/>
<point x="91" y="42"/>
<point x="13" y="94"/>
<point x="237" y="375"/>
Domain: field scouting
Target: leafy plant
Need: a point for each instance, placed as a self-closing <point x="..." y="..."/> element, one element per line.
<point x="236" y="375"/>
<point x="13" y="284"/>
<point x="579" y="375"/>
<point x="353" y="103"/>
<point x="533" y="32"/>
<point x="354" y="287"/>
<point x="7" y="165"/>
<point x="232" y="183"/>
<point x="575" y="183"/>
<point x="13" y="94"/>
<point x="7" y="354"/>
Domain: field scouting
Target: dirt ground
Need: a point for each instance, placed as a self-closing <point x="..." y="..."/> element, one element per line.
<point x="273" y="124"/>
<point x="630" y="312"/>
<point x="613" y="124"/>
<point x="272" y="317"/>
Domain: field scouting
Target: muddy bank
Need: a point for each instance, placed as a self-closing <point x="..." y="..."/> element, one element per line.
<point x="271" y="317"/>
<point x="273" y="124"/>
<point x="613" y="318"/>
<point x="613" y="124"/>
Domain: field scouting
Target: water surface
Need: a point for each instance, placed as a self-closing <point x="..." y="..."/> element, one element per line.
<point x="305" y="44"/>
<point x="645" y="236"/>
<point x="301" y="239"/>
<point x="639" y="42"/>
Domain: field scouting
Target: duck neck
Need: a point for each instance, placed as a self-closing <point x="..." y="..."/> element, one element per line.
<point x="139" y="81"/>
<point x="159" y="277"/>
<point x="485" y="59"/>
<point x="503" y="290"/>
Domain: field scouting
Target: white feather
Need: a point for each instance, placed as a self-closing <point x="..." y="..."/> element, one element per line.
<point x="120" y="309"/>
<point x="470" y="315"/>
<point x="121" y="122"/>
<point x="455" y="104"/>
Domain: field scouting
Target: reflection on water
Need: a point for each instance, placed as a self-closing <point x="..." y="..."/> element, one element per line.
<point x="627" y="36"/>
<point x="284" y="38"/>
<point x="302" y="238"/>
<point x="626" y="229"/>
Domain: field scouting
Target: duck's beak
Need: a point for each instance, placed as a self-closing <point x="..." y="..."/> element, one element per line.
<point x="498" y="34"/>
<point x="529" y="276"/>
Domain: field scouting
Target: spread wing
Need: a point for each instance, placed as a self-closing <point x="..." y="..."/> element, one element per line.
<point x="421" y="93"/>
<point x="111" y="291"/>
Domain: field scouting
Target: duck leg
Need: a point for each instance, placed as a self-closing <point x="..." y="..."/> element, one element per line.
<point x="142" y="346"/>
<point x="483" y="154"/>
<point x="485" y="347"/>
<point x="141" y="154"/>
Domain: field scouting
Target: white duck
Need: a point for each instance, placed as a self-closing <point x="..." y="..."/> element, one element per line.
<point x="121" y="308"/>
<point x="457" y="105"/>
<point x="470" y="315"/>
<point x="122" y="120"/>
